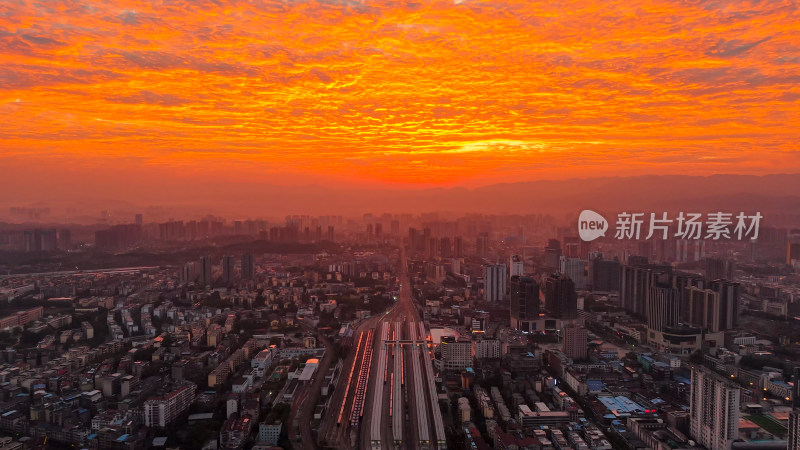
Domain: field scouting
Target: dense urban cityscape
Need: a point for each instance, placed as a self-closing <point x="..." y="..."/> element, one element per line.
<point x="399" y="225"/>
<point x="397" y="331"/>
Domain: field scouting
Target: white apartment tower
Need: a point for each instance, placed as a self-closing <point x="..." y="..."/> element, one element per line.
<point x="714" y="409"/>
<point x="494" y="281"/>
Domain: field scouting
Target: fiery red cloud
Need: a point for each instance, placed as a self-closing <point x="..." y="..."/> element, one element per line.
<point x="443" y="92"/>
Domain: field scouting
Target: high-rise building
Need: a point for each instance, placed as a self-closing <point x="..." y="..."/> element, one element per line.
<point x="456" y="354"/>
<point x="645" y="248"/>
<point x="516" y="265"/>
<point x="458" y="247"/>
<point x="306" y="234"/>
<point x="792" y="252"/>
<point x="445" y="251"/>
<point x="701" y="308"/>
<point x="664" y="249"/>
<point x="413" y="237"/>
<point x="269" y="433"/>
<point x="552" y="254"/>
<point x="248" y="267"/>
<point x="455" y="265"/>
<point x="574" y="339"/>
<point x="488" y="349"/>
<point x="227" y="269"/>
<point x="139" y="219"/>
<point x="172" y="230"/>
<point x="318" y="233"/>
<point x="729" y="292"/>
<point x="203" y="229"/>
<point x="161" y="411"/>
<point x="636" y="278"/>
<point x="49" y="240"/>
<point x="118" y="236"/>
<point x="494" y="282"/>
<point x="794" y="416"/>
<point x="435" y="272"/>
<point x="571" y="246"/>
<point x="395" y="227"/>
<point x="432" y="248"/>
<point x="192" y="232"/>
<point x="480" y="321"/>
<point x="560" y="298"/>
<point x="482" y="245"/>
<point x="64" y="239"/>
<point x="524" y="302"/>
<point x="370" y="232"/>
<point x="699" y="250"/>
<point x="714" y="409"/>
<point x="663" y="304"/>
<point x="574" y="269"/>
<point x="330" y="233"/>
<point x="794" y="430"/>
<point x="604" y="275"/>
<point x="189" y="272"/>
<point x="796" y="388"/>
<point x="690" y="250"/>
<point x="204" y="270"/>
<point x="717" y="268"/>
<point x="634" y="282"/>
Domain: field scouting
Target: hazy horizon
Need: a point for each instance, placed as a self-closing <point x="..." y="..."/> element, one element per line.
<point x="776" y="193"/>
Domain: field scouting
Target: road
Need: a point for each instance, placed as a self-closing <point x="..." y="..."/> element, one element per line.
<point x="301" y="417"/>
<point x="404" y="309"/>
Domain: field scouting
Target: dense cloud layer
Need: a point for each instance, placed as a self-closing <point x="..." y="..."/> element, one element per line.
<point x="435" y="92"/>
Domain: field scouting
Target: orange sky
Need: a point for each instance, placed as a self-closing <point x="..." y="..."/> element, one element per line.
<point x="445" y="93"/>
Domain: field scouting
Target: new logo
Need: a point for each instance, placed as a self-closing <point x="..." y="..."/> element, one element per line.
<point x="591" y="225"/>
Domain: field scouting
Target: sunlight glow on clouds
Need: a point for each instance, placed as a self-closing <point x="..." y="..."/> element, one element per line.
<point x="441" y="92"/>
